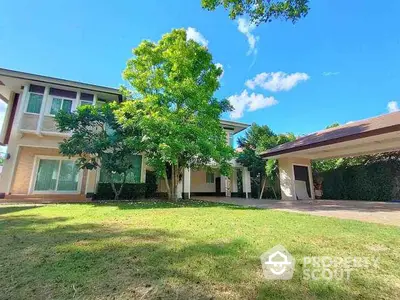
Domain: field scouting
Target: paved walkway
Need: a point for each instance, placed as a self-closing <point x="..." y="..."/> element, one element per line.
<point x="367" y="211"/>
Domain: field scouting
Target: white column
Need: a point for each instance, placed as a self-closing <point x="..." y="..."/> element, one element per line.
<point x="246" y="182"/>
<point x="287" y="177"/>
<point x="234" y="187"/>
<point x="77" y="100"/>
<point x="42" y="110"/>
<point x="186" y="183"/>
<point x="6" y="119"/>
<point x="91" y="182"/>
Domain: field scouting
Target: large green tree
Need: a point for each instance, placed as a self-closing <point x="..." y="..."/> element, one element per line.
<point x="258" y="139"/>
<point x="172" y="83"/>
<point x="262" y="11"/>
<point x="98" y="140"/>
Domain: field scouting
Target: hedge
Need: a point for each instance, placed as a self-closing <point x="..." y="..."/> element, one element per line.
<point x="376" y="182"/>
<point x="130" y="191"/>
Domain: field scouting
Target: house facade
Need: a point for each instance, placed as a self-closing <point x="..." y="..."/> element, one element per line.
<point x="33" y="167"/>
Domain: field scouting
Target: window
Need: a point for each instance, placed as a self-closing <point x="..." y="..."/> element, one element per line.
<point x="56" y="175"/>
<point x="58" y="104"/>
<point x="209" y="177"/>
<point x="35" y="99"/>
<point x="86" y="99"/>
<point x="60" y="100"/>
<point x="100" y="103"/>
<point x="133" y="175"/>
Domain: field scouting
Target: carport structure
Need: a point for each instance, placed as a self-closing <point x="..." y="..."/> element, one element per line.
<point x="369" y="136"/>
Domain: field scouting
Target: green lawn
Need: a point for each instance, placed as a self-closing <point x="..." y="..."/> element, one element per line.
<point x="191" y="251"/>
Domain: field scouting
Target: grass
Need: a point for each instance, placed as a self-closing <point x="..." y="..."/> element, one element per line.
<point x="182" y="251"/>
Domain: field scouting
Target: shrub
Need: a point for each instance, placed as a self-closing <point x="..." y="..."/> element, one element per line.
<point x="376" y="182"/>
<point x="151" y="184"/>
<point x="130" y="191"/>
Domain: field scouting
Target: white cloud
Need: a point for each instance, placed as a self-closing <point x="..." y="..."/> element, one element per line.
<point x="330" y="73"/>
<point x="393" y="106"/>
<point x="193" y="34"/>
<point x="276" y="81"/>
<point x="245" y="27"/>
<point x="219" y="65"/>
<point x="251" y="102"/>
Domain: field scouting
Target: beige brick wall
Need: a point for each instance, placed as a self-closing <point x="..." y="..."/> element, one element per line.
<point x="24" y="167"/>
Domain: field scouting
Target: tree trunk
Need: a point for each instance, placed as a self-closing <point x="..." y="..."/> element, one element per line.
<point x="167" y="185"/>
<point x="264" y="181"/>
<point x="114" y="190"/>
<point x="173" y="185"/>
<point x="122" y="185"/>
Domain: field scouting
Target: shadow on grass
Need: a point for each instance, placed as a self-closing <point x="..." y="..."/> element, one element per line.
<point x="10" y="209"/>
<point x="52" y="258"/>
<point x="157" y="203"/>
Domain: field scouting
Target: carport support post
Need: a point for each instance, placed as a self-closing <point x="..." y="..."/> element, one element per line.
<point x="286" y="176"/>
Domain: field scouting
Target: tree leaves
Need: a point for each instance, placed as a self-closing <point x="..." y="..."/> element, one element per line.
<point x="262" y="11"/>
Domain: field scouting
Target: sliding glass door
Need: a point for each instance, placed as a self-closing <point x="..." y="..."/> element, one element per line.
<point x="57" y="175"/>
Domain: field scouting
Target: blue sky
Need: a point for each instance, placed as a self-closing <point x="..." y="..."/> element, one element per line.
<point x="339" y="64"/>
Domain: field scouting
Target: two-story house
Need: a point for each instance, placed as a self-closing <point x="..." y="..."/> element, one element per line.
<point x="33" y="167"/>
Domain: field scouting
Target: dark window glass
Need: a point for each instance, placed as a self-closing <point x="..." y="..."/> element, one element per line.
<point x="36" y="89"/>
<point x="87" y="97"/>
<point x="62" y="93"/>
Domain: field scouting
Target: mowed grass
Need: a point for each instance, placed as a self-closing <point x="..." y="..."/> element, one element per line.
<point x="182" y="251"/>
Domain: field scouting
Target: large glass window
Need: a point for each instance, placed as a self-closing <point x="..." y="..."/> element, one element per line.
<point x="35" y="99"/>
<point x="133" y="175"/>
<point x="57" y="175"/>
<point x="34" y="103"/>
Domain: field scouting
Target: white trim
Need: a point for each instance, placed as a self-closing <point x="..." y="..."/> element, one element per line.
<point x="59" y="158"/>
<point x="309" y="180"/>
<point x="42" y="109"/>
<point x="94" y="99"/>
<point x="36" y="146"/>
<point x="77" y="101"/>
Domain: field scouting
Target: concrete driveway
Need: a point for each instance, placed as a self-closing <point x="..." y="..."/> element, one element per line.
<point x="367" y="211"/>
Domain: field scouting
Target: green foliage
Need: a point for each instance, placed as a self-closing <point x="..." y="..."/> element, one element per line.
<point x="173" y="84"/>
<point x="99" y="140"/>
<point x="375" y="181"/>
<point x="130" y="191"/>
<point x="258" y="139"/>
<point x="262" y="11"/>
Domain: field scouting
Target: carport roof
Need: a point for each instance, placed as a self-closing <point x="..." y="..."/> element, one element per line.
<point x="380" y="125"/>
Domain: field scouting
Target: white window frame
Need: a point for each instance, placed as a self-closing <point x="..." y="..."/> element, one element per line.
<point x="27" y="104"/>
<point x="34" y="176"/>
<point x="50" y="103"/>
